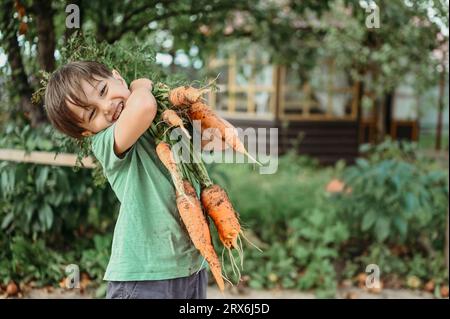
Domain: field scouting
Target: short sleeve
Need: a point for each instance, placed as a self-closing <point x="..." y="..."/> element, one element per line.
<point x="103" y="149"/>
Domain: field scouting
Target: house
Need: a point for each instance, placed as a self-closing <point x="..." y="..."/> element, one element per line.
<point x="326" y="116"/>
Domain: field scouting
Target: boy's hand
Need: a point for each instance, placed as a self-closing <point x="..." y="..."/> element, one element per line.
<point x="138" y="83"/>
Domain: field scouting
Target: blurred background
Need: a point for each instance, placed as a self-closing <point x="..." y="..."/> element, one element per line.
<point x="357" y="89"/>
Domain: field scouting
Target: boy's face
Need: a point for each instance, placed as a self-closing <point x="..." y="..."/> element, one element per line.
<point x="106" y="100"/>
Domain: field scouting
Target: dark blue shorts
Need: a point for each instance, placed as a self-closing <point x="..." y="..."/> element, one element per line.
<point x="191" y="287"/>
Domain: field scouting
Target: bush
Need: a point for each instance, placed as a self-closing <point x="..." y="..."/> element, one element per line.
<point x="49" y="215"/>
<point x="312" y="239"/>
<point x="289" y="216"/>
<point x="396" y="196"/>
<point x="22" y="259"/>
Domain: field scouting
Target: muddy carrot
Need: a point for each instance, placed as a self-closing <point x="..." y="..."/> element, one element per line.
<point x="165" y="154"/>
<point x="193" y="218"/>
<point x="172" y="119"/>
<point x="185" y="96"/>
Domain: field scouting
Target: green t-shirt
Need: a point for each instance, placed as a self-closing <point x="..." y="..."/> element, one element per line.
<point x="149" y="242"/>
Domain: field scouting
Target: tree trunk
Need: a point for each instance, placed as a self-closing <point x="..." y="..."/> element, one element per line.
<point x="446" y="246"/>
<point x="359" y="113"/>
<point x="388" y="111"/>
<point x="440" y="109"/>
<point x="43" y="12"/>
<point x="22" y="87"/>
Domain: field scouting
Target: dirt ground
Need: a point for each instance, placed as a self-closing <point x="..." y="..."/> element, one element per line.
<point x="214" y="293"/>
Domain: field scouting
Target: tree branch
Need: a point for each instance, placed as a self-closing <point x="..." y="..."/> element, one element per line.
<point x="143" y="22"/>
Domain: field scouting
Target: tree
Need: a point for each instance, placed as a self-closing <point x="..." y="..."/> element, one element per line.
<point x="400" y="47"/>
<point x="443" y="72"/>
<point x="41" y="22"/>
<point x="295" y="33"/>
<point x="21" y="88"/>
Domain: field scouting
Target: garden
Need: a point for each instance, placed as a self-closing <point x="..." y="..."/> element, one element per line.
<point x="317" y="228"/>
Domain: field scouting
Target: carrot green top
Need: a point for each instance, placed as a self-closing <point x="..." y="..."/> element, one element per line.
<point x="149" y="241"/>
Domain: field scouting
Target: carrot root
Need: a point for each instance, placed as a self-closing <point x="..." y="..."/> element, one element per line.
<point x="195" y="221"/>
<point x="166" y="156"/>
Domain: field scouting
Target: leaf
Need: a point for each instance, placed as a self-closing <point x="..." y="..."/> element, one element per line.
<point x="29" y="212"/>
<point x="301" y="253"/>
<point x="401" y="225"/>
<point x="7" y="220"/>
<point x="46" y="216"/>
<point x="364" y="148"/>
<point x="411" y="203"/>
<point x="382" y="228"/>
<point x="12" y="180"/>
<point x="363" y="163"/>
<point x="8" y="181"/>
<point x="42" y="178"/>
<point x="4" y="181"/>
<point x="368" y="220"/>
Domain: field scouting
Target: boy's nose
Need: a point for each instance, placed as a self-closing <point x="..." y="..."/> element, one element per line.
<point x="108" y="107"/>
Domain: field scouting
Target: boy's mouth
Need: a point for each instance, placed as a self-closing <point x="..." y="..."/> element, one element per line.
<point x="118" y="111"/>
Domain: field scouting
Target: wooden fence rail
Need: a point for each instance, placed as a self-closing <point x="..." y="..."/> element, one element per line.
<point x="44" y="158"/>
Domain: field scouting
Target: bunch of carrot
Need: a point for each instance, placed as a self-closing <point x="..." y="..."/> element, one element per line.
<point x="175" y="108"/>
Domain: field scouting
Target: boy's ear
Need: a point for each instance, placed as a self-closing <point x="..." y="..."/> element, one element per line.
<point x="117" y="76"/>
<point x="86" y="133"/>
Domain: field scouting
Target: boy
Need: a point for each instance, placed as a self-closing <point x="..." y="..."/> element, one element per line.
<point x="152" y="256"/>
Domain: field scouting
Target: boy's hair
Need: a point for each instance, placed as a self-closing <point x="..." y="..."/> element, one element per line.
<point x="65" y="84"/>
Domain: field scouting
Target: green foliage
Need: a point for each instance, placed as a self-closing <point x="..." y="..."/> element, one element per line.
<point x="289" y="217"/>
<point x="39" y="199"/>
<point x="307" y="235"/>
<point x="397" y="150"/>
<point x="395" y="195"/>
<point x="395" y="51"/>
<point x="133" y="60"/>
<point x="394" y="265"/>
<point x="49" y="214"/>
<point x="95" y="260"/>
<point x="24" y="259"/>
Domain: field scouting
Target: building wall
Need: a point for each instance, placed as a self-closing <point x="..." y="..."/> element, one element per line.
<point x="327" y="141"/>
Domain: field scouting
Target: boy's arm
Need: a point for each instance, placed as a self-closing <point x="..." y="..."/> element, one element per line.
<point x="136" y="117"/>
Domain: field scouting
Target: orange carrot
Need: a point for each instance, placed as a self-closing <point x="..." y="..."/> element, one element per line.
<point x="166" y="156"/>
<point x="209" y="120"/>
<point x="172" y="119"/>
<point x="193" y="218"/>
<point x="184" y="96"/>
<point x="219" y="208"/>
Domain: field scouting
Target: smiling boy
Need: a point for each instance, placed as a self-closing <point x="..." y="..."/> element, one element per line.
<point x="152" y="256"/>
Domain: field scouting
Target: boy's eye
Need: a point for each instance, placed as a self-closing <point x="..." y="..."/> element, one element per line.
<point x="102" y="92"/>
<point x="91" y="115"/>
